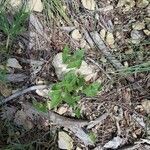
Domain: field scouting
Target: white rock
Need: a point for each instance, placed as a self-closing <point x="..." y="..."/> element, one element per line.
<point x="138" y="25"/>
<point x="61" y="69"/>
<point x="13" y="62"/>
<point x="146" y="106"/>
<point x="75" y="34"/>
<point x="65" y="141"/>
<point x="36" y="5"/>
<point x="136" y="36"/>
<point x="142" y="3"/>
<point x="89" y="4"/>
<point x="110" y="39"/>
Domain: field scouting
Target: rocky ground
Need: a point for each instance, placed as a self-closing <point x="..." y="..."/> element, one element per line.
<point x="115" y="37"/>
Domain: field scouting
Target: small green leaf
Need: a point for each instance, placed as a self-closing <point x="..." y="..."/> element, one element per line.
<point x="66" y="55"/>
<point x="75" y="64"/>
<point x="55" y="98"/>
<point x="77" y="112"/>
<point x="92" y="89"/>
<point x="79" y="54"/>
<point x="68" y="99"/>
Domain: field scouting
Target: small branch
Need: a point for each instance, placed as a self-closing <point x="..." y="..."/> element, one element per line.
<point x="74" y="125"/>
<point x="21" y="92"/>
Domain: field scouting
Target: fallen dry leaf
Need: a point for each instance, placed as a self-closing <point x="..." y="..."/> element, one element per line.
<point x="36" y="5"/>
<point x="75" y="34"/>
<point x="103" y="34"/>
<point x="89" y="4"/>
<point x="5" y="90"/>
<point x="147" y="32"/>
<point x="110" y="39"/>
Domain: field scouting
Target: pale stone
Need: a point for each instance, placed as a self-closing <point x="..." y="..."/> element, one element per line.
<point x="13" y="62"/>
<point x="76" y="34"/>
<point x="65" y="141"/>
<point x="146" y="106"/>
<point x="138" y="25"/>
<point x="61" y="68"/>
<point x="89" y="4"/>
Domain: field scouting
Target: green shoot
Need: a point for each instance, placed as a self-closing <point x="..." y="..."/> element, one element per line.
<point x="73" y="61"/>
<point x="15" y="27"/>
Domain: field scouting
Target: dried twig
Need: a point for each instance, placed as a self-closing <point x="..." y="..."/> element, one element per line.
<point x="72" y="124"/>
<point x="21" y="92"/>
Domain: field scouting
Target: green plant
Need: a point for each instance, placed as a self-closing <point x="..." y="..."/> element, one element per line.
<point x="69" y="90"/>
<point x="73" y="61"/>
<point x="14" y="27"/>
